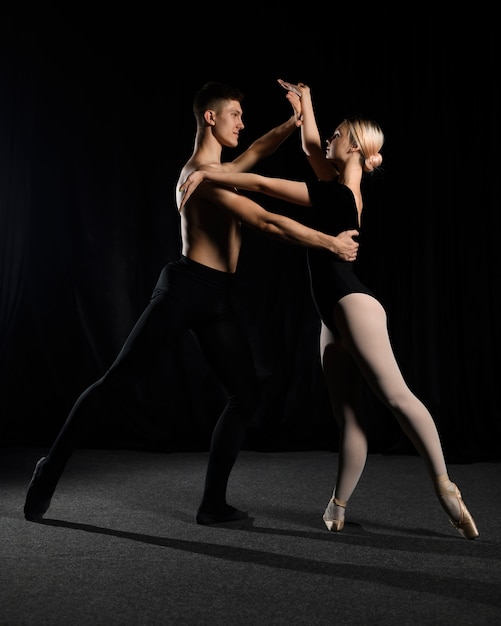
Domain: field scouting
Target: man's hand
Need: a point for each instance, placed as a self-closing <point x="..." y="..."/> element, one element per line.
<point x="346" y="248"/>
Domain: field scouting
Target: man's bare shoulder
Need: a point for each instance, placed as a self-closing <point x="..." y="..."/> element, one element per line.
<point x="193" y="165"/>
<point x="198" y="164"/>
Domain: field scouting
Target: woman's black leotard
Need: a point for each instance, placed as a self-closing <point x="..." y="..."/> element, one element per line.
<point x="334" y="210"/>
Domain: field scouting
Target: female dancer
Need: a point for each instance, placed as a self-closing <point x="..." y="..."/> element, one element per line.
<point x="354" y="339"/>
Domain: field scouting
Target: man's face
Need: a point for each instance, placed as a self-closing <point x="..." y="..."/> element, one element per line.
<point x="228" y="123"/>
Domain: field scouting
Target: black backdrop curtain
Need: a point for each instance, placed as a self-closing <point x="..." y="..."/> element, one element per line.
<point x="95" y="123"/>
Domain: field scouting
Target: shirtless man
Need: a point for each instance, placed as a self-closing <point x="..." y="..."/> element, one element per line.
<point x="195" y="293"/>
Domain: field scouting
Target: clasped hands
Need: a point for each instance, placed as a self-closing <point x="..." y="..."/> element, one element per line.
<point x="294" y="94"/>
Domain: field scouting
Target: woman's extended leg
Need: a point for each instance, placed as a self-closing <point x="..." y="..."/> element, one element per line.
<point x="362" y="323"/>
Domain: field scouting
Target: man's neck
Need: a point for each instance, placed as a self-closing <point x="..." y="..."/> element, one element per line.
<point x="207" y="149"/>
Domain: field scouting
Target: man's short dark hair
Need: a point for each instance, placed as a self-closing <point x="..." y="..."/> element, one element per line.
<point x="213" y="93"/>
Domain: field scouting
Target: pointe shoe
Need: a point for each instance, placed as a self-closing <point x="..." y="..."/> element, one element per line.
<point x="334" y="525"/>
<point x="465" y="526"/>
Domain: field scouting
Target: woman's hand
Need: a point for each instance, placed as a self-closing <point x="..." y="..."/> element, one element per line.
<point x="190" y="184"/>
<point x="290" y="86"/>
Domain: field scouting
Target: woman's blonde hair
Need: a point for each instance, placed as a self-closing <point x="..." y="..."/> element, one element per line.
<point x="369" y="139"/>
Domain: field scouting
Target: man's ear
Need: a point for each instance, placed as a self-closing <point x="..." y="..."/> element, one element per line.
<point x="210" y="117"/>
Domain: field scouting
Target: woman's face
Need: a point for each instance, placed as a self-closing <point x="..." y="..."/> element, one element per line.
<point x="338" y="144"/>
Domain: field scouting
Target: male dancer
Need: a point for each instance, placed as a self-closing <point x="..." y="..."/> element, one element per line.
<point x="195" y="293"/>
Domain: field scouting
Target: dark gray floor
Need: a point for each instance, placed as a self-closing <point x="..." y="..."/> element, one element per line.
<point x="120" y="547"/>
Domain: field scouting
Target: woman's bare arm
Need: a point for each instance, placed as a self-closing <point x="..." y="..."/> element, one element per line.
<point x="291" y="191"/>
<point x="222" y="190"/>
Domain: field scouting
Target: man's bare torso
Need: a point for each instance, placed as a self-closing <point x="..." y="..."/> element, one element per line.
<point x="210" y="234"/>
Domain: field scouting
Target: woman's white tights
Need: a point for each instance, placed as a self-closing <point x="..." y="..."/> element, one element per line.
<point x="365" y="350"/>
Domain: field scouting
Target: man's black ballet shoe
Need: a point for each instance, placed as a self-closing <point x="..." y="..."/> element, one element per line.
<point x="39" y="494"/>
<point x="220" y="516"/>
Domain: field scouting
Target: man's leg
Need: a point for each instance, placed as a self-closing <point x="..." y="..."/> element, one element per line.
<point x="162" y="322"/>
<point x="226" y="348"/>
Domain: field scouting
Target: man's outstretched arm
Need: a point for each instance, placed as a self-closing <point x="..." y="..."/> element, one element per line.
<point x="263" y="146"/>
<point x="279" y="226"/>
